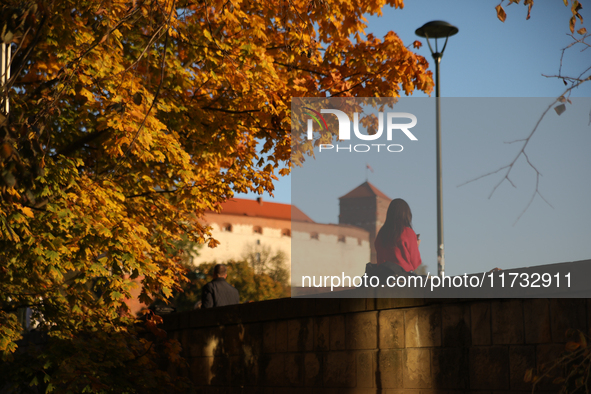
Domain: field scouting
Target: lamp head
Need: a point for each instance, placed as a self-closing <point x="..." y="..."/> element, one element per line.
<point x="436" y="29"/>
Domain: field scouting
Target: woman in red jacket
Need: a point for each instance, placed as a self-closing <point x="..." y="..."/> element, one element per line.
<point x="396" y="241"/>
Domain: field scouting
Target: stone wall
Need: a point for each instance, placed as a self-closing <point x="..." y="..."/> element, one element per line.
<point x="365" y="346"/>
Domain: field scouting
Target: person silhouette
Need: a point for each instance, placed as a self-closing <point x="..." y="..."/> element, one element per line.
<point x="218" y="292"/>
<point x="397" y="245"/>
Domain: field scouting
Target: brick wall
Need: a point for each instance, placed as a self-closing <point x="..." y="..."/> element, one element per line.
<point x="387" y="346"/>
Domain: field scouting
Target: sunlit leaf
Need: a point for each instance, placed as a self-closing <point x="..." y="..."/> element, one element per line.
<point x="528" y="375"/>
<point x="501" y="13"/>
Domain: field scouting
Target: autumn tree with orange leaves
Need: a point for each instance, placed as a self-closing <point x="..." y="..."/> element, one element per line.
<point x="127" y="120"/>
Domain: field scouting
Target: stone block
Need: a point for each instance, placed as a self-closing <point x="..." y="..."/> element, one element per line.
<point x="337" y="332"/>
<point x="313" y="369"/>
<point x="281" y="336"/>
<point x="480" y="323"/>
<point x="536" y="316"/>
<point x="567" y="314"/>
<point x="253" y="338"/>
<point x="327" y="306"/>
<point x="233" y="339"/>
<point x="361" y="330"/>
<point x="507" y="322"/>
<point x="389" y="369"/>
<point x="365" y="369"/>
<point x="213" y="340"/>
<point x="324" y="390"/>
<point x="430" y="391"/>
<point x="229" y="314"/>
<point x="402" y="391"/>
<point x="391" y="327"/>
<point x="185" y="341"/>
<point x="250" y="363"/>
<point x="455" y="319"/>
<point x="220" y="371"/>
<point x="273" y="370"/>
<point x="300" y="307"/>
<point x="449" y="367"/>
<point x="204" y="318"/>
<point x="417" y="368"/>
<point x="237" y="372"/>
<point x="422" y="327"/>
<point x="349" y="305"/>
<point x="278" y="309"/>
<point x="521" y="358"/>
<point x="253" y="312"/>
<point x="340" y="369"/>
<point x="184" y="320"/>
<point x="197" y="341"/>
<point x="489" y="368"/>
<point x="171" y="322"/>
<point x="218" y="390"/>
<point x="269" y="337"/>
<point x="321" y="333"/>
<point x="300" y="335"/>
<point x="294" y="369"/>
<point x="392" y="303"/>
<point x="200" y="370"/>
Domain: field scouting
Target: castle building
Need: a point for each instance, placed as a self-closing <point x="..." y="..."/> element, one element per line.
<point x="250" y="226"/>
<point x="247" y="228"/>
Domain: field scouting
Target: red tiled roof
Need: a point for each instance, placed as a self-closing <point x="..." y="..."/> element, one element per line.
<point x="264" y="209"/>
<point x="366" y="189"/>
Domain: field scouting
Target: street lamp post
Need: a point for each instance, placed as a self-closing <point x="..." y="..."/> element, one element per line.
<point x="435" y="30"/>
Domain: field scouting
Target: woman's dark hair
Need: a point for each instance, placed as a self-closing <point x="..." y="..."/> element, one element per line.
<point x="397" y="218"/>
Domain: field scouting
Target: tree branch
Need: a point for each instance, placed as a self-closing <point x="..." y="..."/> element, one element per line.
<point x="229" y="111"/>
<point x="75" y="145"/>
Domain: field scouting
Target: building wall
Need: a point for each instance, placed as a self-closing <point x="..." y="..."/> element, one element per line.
<point x="342" y="249"/>
<point x="234" y="244"/>
<point x="363" y="346"/>
<point x="327" y="250"/>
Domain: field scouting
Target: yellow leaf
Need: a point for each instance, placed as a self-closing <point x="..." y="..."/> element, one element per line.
<point x="27" y="211"/>
<point x="572" y="346"/>
<point x="582" y="31"/>
<point x="501" y="13"/>
<point x="528" y="375"/>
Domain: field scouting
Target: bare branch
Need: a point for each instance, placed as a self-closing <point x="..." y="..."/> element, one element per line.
<point x="575" y="82"/>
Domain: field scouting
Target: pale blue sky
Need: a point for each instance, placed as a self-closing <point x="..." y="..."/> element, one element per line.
<point x="488" y="58"/>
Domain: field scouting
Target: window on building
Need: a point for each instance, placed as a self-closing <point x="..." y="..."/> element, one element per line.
<point x="342" y="238"/>
<point x="359" y="241"/>
<point x="257" y="230"/>
<point x="227" y="227"/>
<point x="314" y="236"/>
<point x="286" y="232"/>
